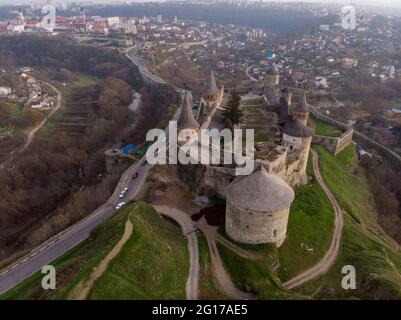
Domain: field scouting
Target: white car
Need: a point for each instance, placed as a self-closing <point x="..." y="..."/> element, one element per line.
<point x="120" y="205"/>
<point x="125" y="190"/>
<point x="121" y="195"/>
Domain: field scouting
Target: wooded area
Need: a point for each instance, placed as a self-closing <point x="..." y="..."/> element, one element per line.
<point x="61" y="178"/>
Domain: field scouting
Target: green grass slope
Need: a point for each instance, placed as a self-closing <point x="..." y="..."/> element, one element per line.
<point x="309" y="231"/>
<point x="375" y="256"/>
<point x="75" y="264"/>
<point x="323" y="129"/>
<point x="153" y="264"/>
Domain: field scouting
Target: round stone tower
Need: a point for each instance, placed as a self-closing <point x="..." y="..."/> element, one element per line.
<point x="297" y="138"/>
<point x="272" y="77"/>
<point x="257" y="208"/>
<point x="301" y="111"/>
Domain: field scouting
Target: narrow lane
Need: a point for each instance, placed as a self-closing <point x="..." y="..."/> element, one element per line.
<point x="331" y="255"/>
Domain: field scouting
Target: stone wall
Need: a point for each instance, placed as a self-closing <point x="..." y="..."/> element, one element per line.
<point x="256" y="227"/>
<point x="335" y="145"/>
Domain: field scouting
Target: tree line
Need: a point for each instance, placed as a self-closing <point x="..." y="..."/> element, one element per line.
<point x="61" y="178"/>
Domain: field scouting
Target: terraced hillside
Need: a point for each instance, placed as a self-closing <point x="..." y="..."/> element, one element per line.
<point x="80" y="110"/>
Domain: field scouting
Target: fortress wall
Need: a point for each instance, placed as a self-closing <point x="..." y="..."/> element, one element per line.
<point x="256" y="227"/>
<point x="335" y="145"/>
<point x="344" y="141"/>
<point x="216" y="181"/>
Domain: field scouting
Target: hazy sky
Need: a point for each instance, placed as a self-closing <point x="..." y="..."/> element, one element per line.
<point x="396" y="3"/>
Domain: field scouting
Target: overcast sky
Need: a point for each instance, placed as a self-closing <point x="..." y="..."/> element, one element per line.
<point x="396" y="3"/>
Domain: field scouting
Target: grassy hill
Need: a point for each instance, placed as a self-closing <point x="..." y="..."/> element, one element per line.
<point x="153" y="264"/>
<point x="375" y="256"/>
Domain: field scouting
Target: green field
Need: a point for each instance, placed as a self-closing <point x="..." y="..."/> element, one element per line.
<point x="323" y="129"/>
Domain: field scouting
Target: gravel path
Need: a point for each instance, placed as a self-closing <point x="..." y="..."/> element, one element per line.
<point x="331" y="255"/>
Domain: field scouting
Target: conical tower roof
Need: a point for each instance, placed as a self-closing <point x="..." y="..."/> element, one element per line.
<point x="211" y="87"/>
<point x="302" y="106"/>
<point x="261" y="192"/>
<point x="273" y="71"/>
<point x="187" y="119"/>
<point x="295" y="128"/>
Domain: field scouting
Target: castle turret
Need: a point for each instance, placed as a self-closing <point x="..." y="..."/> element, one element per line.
<point x="301" y="111"/>
<point x="187" y="119"/>
<point x="287" y="95"/>
<point x="257" y="208"/>
<point x="211" y="93"/>
<point x="283" y="112"/>
<point x="211" y="99"/>
<point x="271" y="89"/>
<point x="296" y="134"/>
<point x="272" y="77"/>
<point x="297" y="138"/>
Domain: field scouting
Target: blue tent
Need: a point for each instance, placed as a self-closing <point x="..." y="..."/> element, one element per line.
<point x="128" y="149"/>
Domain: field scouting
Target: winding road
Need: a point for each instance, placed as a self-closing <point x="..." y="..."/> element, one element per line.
<point x="331" y="255"/>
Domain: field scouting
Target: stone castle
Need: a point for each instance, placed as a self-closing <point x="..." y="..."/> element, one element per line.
<point x="258" y="205"/>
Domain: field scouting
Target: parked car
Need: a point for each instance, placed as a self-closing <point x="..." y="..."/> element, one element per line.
<point x="120" y="205"/>
<point x="135" y="175"/>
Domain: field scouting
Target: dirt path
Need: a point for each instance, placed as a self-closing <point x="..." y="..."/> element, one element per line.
<point x="188" y="229"/>
<point x="220" y="274"/>
<point x="33" y="131"/>
<point x="331" y="255"/>
<point x="236" y="249"/>
<point x="82" y="289"/>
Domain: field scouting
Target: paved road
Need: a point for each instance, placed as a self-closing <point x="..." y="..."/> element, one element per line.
<point x="69" y="238"/>
<point x="130" y="55"/>
<point x="331" y="255"/>
<point x="188" y="229"/>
